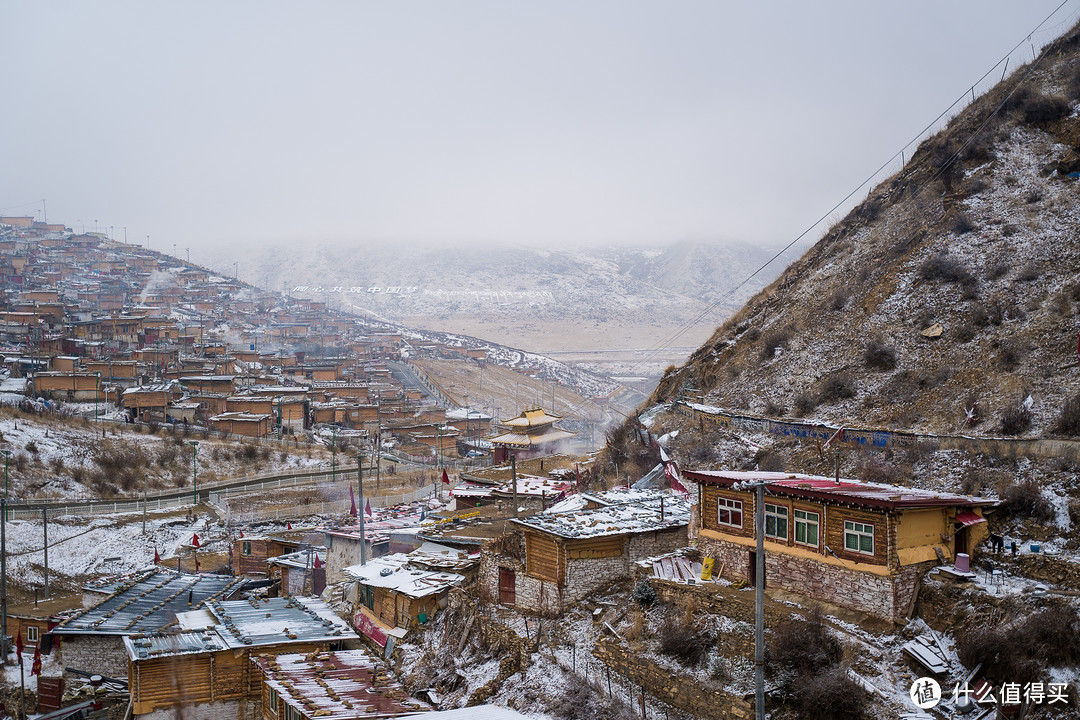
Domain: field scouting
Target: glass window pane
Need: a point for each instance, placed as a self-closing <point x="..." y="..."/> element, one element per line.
<point x="811" y="534"/>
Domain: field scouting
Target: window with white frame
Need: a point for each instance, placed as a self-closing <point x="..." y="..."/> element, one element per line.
<point x="807" y="525"/>
<point x="729" y="512"/>
<point x="859" y="537"/>
<point x="776" y="521"/>
<point x="32" y="633"/>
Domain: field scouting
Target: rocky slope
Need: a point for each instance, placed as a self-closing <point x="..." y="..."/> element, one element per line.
<point x="952" y="290"/>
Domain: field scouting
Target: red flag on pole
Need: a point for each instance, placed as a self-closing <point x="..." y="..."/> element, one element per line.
<point x="672" y="473"/>
<point x="288" y="526"/>
<point x="445" y="477"/>
<point x="367" y="507"/>
<point x="157" y="558"/>
<point x="35" y="669"/>
<point x="317" y="564"/>
<point x="195" y="540"/>
<point x="241" y="533"/>
<point x="352" y="502"/>
<point x="18" y="647"/>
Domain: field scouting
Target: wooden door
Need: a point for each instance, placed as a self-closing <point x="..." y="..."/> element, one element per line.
<point x="507" y="586"/>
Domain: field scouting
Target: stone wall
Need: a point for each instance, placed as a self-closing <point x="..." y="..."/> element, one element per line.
<point x="885" y="596"/>
<point x="679" y="691"/>
<point x="100" y="654"/>
<point x="1044" y="568"/>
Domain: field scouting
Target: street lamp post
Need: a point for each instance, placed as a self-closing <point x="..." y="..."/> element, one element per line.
<point x="759" y="593"/>
<point x="333" y="453"/>
<point x="195" y="471"/>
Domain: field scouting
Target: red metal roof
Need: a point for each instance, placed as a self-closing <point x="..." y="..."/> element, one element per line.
<point x="846" y="491"/>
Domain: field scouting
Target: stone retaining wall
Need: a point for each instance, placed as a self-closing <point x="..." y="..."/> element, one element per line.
<point x="679" y="691"/>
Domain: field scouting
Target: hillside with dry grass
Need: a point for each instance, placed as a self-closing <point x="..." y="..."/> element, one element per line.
<point x="953" y="289"/>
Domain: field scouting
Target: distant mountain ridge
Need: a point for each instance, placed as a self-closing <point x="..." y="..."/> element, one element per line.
<point x="511" y="286"/>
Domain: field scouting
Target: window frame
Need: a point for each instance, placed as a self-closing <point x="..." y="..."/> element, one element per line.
<point x="245" y="548"/>
<point x="859" y="530"/>
<point x="730" y="506"/>
<point x="806" y="522"/>
<point x="35" y="631"/>
<point x="775" y="516"/>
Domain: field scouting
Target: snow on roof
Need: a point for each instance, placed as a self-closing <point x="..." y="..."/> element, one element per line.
<point x="466" y="414"/>
<point x="393" y="573"/>
<point x="335" y="686"/>
<point x="531" y="418"/>
<point x="271" y="621"/>
<point x="523" y="440"/>
<point x="148" y="604"/>
<point x="622" y="519"/>
<point x="300" y="559"/>
<point x="847" y="491"/>
<point x="143" y="647"/>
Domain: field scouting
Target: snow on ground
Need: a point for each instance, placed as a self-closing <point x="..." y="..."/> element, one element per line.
<point x="102" y="545"/>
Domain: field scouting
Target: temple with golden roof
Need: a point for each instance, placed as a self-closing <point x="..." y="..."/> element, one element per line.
<point x="530" y="434"/>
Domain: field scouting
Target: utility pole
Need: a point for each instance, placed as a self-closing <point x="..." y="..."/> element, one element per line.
<point x="3" y="584"/>
<point x="45" y="532"/>
<point x="513" y="478"/>
<point x="333" y="454"/>
<point x="360" y="510"/>
<point x="378" y="446"/>
<point x="194" y="471"/>
<point x="759" y="592"/>
<point x="7" y="463"/>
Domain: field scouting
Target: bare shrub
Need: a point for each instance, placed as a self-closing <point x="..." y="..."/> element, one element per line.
<point x="1068" y="422"/>
<point x="576" y="699"/>
<point x="876" y="469"/>
<point x="775" y="340"/>
<point x="829" y="695"/>
<point x="774" y="409"/>
<point x="804" y="404"/>
<point x="1028" y="273"/>
<point x="837" y="387"/>
<point x="804" y="646"/>
<point x="682" y="642"/>
<point x="839" y="299"/>
<point x="1015" y="419"/>
<point x="1039" y="109"/>
<point x="943" y="267"/>
<point x="985" y="315"/>
<point x="1020" y="648"/>
<point x="1009" y="356"/>
<point x="965" y="332"/>
<point x="997" y="270"/>
<point x="32" y="448"/>
<point x="879" y="356"/>
<point x="961" y="224"/>
<point x="1025" y="498"/>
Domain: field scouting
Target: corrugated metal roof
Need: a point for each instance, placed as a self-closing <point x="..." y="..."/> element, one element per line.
<point x="271" y="621"/>
<point x="149" y="603"/>
<point x="144" y="647"/>
<point x="336" y="686"/>
<point x="842" y="491"/>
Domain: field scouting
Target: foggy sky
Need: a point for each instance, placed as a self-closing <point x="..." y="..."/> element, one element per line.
<point x="208" y="124"/>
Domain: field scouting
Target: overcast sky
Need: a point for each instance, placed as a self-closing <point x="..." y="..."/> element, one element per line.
<point x="213" y="123"/>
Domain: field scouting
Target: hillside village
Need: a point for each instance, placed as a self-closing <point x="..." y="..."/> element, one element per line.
<point x="876" y="462"/>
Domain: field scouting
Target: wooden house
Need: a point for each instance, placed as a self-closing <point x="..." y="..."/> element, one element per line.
<point x="563" y="557"/>
<point x="204" y="668"/>
<point x="73" y="387"/>
<point x="395" y="593"/>
<point x="238" y="423"/>
<point x="150" y="601"/>
<point x="302" y="572"/>
<point x="251" y="553"/>
<point x="150" y="402"/>
<point x="860" y="545"/>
